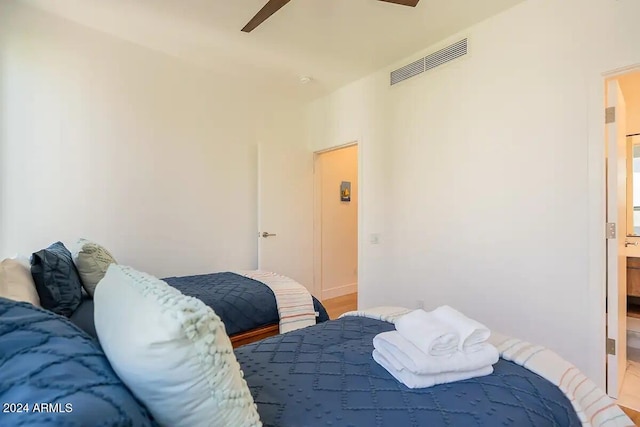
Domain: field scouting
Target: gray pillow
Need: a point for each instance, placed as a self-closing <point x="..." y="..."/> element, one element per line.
<point x="57" y="282"/>
<point x="92" y="262"/>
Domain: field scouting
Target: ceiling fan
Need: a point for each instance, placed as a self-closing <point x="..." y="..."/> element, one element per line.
<point x="273" y="6"/>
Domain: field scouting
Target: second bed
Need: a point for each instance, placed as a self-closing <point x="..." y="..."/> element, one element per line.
<point x="247" y="307"/>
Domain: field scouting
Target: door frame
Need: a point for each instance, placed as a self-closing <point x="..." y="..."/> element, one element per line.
<point x="620" y="234"/>
<point x="317" y="217"/>
<point x="616" y="203"/>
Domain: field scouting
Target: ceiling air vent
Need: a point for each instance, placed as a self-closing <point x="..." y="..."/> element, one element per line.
<point x="407" y="71"/>
<point x="430" y="62"/>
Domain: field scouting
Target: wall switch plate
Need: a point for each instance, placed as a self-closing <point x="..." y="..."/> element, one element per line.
<point x="374" y="238"/>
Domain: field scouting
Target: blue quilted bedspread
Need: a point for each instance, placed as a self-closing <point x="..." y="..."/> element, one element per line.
<point x="241" y="303"/>
<point x="52" y="374"/>
<point x="325" y="376"/>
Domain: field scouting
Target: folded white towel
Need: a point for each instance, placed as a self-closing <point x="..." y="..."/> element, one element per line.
<point x="412" y="380"/>
<point x="428" y="333"/>
<point x="402" y="354"/>
<point x="472" y="333"/>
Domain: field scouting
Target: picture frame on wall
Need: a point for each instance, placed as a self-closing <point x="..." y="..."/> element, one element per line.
<point x="345" y="191"/>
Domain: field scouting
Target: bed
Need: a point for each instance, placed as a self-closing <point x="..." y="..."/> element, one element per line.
<point x="325" y="375"/>
<point x="322" y="375"/>
<point x="246" y="306"/>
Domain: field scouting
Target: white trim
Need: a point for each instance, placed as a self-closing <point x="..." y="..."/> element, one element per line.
<point x="336" y="148"/>
<point x="621" y="71"/>
<point x="340" y="291"/>
<point x="597" y="255"/>
<point x="317" y="226"/>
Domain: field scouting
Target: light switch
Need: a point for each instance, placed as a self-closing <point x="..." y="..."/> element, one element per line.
<point x="374" y="238"/>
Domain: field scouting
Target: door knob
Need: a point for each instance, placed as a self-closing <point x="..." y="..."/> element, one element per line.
<point x="630" y="243"/>
<point x="265" y="234"/>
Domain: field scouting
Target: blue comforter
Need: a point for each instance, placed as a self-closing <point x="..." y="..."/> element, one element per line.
<point x="242" y="303"/>
<point x="325" y="376"/>
<point x="52" y="374"/>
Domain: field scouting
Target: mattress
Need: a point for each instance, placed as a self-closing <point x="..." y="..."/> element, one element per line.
<point x="324" y="375"/>
<point x="242" y="303"/>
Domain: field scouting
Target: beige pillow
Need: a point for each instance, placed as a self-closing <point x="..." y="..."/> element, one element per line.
<point x="16" y="282"/>
<point x="92" y="262"/>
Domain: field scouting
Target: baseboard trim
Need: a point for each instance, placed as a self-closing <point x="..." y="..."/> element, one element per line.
<point x="340" y="291"/>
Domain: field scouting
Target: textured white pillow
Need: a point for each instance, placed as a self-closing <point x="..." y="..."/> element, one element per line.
<point x="16" y="282"/>
<point x="172" y="351"/>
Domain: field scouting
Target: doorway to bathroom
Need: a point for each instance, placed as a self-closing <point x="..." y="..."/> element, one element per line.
<point x="623" y="238"/>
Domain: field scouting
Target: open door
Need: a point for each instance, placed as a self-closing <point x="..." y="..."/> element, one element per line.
<point x="336" y="222"/>
<point x="616" y="233"/>
<point x="285" y="202"/>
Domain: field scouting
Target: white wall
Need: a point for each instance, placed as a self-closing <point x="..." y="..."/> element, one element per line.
<point x="339" y="222"/>
<point x="102" y="139"/>
<point x="485" y="178"/>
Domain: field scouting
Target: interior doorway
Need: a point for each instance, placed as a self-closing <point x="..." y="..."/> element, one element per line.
<point x="336" y="226"/>
<point x="623" y="244"/>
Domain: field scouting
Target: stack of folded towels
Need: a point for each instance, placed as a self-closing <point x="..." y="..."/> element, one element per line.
<point x="437" y="347"/>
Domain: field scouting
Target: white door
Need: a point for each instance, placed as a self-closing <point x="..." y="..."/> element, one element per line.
<point x="616" y="254"/>
<point x="285" y="204"/>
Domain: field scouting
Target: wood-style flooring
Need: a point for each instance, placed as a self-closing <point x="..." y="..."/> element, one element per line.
<point x="339" y="305"/>
<point x="634" y="415"/>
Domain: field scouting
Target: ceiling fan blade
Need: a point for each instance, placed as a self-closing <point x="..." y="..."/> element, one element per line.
<point x="411" y="3"/>
<point x="267" y="10"/>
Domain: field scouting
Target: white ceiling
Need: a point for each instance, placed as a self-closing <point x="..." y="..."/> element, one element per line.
<point x="334" y="41"/>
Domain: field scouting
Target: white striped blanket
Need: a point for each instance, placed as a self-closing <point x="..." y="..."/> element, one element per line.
<point x="384" y="313"/>
<point x="593" y="407"/>
<point x="295" y="304"/>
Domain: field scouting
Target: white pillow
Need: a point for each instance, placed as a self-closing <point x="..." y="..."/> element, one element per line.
<point x="16" y="282"/>
<point x="172" y="352"/>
